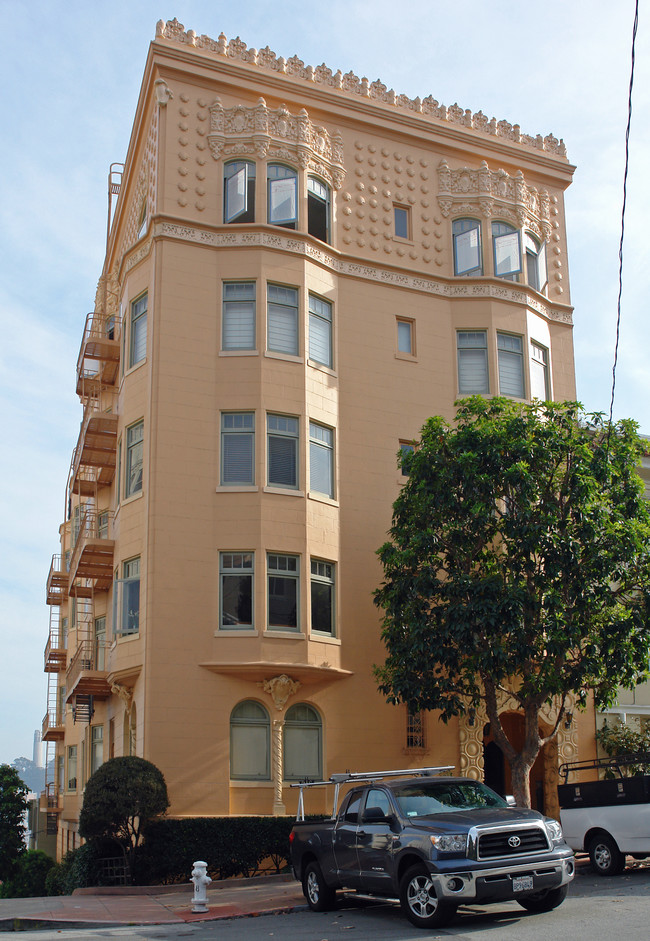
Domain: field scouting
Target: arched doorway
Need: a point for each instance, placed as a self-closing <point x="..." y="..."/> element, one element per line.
<point x="497" y="774"/>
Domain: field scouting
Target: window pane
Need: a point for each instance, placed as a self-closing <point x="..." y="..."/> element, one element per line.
<point x="282" y="319"/>
<point x="134" y="452"/>
<point x="404" y="342"/>
<point x="302" y="753"/>
<point x="472" y="362"/>
<point x="237" y="449"/>
<point x="236" y="191"/>
<point x="321" y="607"/>
<point x="283" y="195"/>
<point x="236" y="601"/>
<point x="511" y="365"/>
<point x="138" y="330"/>
<point x="467" y="252"/>
<point x="239" y="316"/>
<point x="318" y="209"/>
<point x="507" y="254"/>
<point x="283" y="461"/>
<point x="283" y="598"/>
<point x="321" y="460"/>
<point x="401" y="222"/>
<point x="539" y="374"/>
<point x="249" y="752"/>
<point x="320" y="330"/>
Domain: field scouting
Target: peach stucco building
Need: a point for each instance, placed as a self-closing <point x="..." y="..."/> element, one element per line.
<point x="301" y="267"/>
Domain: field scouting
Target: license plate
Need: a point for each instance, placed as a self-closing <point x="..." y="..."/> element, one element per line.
<point x="522" y="884"/>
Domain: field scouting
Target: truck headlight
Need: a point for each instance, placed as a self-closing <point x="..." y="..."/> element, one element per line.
<point x="450" y="842"/>
<point x="554" y="831"/>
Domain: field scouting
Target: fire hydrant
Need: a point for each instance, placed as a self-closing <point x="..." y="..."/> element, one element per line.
<point x="201" y="881"/>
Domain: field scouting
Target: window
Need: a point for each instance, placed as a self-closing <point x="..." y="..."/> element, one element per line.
<point x="472" y="362"/>
<point x="466" y="235"/>
<point x="320" y="330"/>
<point x="236" y="595"/>
<point x="250" y="742"/>
<point x="405" y="450"/>
<point x="318" y="209"/>
<point x="283" y="572"/>
<point x="238" y="320"/>
<point x="282" y="195"/>
<point x="142" y="219"/>
<point x="237" y="448"/>
<point x="405" y="336"/>
<point x="134" y="444"/>
<point x="282" y="443"/>
<point x="138" y="347"/>
<point x="72" y="768"/>
<point x="507" y="251"/>
<point x="239" y="191"/>
<point x="322" y="597"/>
<point x="380" y="799"/>
<point x="414" y="730"/>
<point x="402" y="215"/>
<point x="102" y="524"/>
<point x="282" y="315"/>
<point x="511" y="365"/>
<point x="539" y="384"/>
<point x="100" y="644"/>
<point x="96" y="747"/>
<point x="118" y="484"/>
<point x="536" y="274"/>
<point x="303" y="750"/>
<point x="321" y="459"/>
<point x="126" y="600"/>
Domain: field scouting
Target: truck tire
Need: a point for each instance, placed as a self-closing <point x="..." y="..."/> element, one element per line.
<point x="320" y="897"/>
<point x="545" y="901"/>
<point x="419" y="901"/>
<point x="606" y="858"/>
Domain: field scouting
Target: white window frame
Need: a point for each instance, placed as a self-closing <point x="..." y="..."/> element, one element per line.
<point x="539" y="372"/>
<point x="320" y="331"/>
<point x="282" y="304"/>
<point x="238" y="565"/>
<point x="510" y="357"/>
<point x="237" y="430"/>
<point x="282" y="567"/>
<point x="238" y="317"/>
<point x="473" y="363"/>
<point x="282" y="442"/>
<point x="322" y="573"/>
<point x="321" y="459"/>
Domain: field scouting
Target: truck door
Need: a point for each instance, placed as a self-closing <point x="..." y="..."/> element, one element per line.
<point x="344" y="840"/>
<point x="375" y="841"/>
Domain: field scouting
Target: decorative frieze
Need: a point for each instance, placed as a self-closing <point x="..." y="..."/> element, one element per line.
<point x="468" y="289"/>
<point x="278" y="134"/>
<point x="489" y="193"/>
<point x="351" y="84"/>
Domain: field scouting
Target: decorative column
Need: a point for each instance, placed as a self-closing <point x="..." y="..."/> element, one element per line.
<point x="279" y="688"/>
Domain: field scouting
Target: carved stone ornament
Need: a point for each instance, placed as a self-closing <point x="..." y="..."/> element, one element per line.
<point x="124" y="693"/>
<point x="262" y="132"/>
<point x="351" y="84"/>
<point x="163" y="92"/>
<point x="494" y="193"/>
<point x="280" y="688"/>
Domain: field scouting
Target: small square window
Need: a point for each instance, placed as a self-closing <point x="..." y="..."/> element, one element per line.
<point x="402" y="222"/>
<point x="405" y="449"/>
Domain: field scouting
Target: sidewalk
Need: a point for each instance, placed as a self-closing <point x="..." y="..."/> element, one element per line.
<point x="153" y="905"/>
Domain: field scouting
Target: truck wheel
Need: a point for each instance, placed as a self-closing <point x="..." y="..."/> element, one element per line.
<point x="606" y="858"/>
<point x="419" y="901"/>
<point x="544" y="901"/>
<point x="320" y="897"/>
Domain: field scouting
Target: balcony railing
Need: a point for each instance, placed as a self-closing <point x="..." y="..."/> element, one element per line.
<point x="51" y="800"/>
<point x="87" y="674"/>
<point x="99" y="355"/>
<point x="53" y="726"/>
<point x="95" y="456"/>
<point x="57" y="582"/>
<point x="92" y="555"/>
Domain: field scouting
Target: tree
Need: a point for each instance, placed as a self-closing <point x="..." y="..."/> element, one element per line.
<point x="119" y="798"/>
<point x="622" y="740"/>
<point x="518" y="566"/>
<point x="13" y="805"/>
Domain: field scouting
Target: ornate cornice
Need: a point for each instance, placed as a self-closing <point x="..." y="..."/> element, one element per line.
<point x="488" y="193"/>
<point x="262" y="132"/>
<point x="351" y="84"/>
<point x="482" y="288"/>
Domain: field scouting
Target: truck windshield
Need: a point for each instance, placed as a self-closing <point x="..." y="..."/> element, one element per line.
<point x="436" y="797"/>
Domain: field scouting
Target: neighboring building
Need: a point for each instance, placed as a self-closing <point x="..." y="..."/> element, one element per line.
<point x="301" y="268"/>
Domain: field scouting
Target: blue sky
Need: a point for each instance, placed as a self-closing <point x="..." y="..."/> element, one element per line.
<point x="71" y="74"/>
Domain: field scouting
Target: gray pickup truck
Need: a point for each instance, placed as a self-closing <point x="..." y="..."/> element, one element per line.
<point x="433" y="843"/>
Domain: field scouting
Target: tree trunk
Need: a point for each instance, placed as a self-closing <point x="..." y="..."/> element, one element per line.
<point x="520" y="773"/>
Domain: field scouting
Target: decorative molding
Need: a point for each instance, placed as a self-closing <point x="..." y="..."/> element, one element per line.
<point x="280" y="688"/>
<point x="261" y="132"/>
<point x="490" y="193"/>
<point x="163" y="92"/>
<point x="124" y="693"/>
<point x="351" y="84"/>
<point x="303" y="246"/>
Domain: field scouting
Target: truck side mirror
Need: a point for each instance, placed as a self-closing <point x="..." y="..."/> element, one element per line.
<point x="510" y="801"/>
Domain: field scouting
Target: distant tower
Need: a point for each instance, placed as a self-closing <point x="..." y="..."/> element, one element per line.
<point x="37" y="757"/>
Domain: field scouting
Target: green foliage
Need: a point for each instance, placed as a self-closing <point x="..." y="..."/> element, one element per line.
<point x="30" y="875"/>
<point x="13" y="804"/>
<point x="231" y="846"/>
<point x="56" y="881"/>
<point x="120" y="798"/>
<point x="620" y="739"/>
<point x="518" y="561"/>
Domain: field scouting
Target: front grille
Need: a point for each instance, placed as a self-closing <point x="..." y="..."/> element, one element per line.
<point x="500" y="843"/>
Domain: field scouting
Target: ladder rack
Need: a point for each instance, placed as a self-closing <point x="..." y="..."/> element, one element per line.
<point x="347" y="777"/>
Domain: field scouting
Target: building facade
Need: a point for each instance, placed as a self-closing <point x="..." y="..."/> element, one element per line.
<point x="301" y="268"/>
